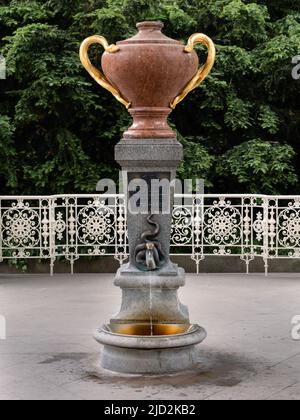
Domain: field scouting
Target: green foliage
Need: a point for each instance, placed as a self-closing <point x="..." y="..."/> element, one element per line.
<point x="238" y="114"/>
<point x="7" y="153"/>
<point x="259" y="165"/>
<point x="269" y="119"/>
<point x="58" y="128"/>
<point x="198" y="162"/>
<point x="244" y="22"/>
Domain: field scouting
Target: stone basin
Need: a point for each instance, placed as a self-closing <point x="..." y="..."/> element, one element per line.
<point x="149" y="330"/>
<point x="130" y="348"/>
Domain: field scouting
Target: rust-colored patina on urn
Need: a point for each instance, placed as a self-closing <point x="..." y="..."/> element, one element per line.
<point x="149" y="74"/>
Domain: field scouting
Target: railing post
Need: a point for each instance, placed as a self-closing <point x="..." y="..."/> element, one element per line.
<point x="121" y="230"/>
<point x="1" y="253"/>
<point x="197" y="230"/>
<point x="245" y="232"/>
<point x="52" y="202"/>
<point x="266" y="235"/>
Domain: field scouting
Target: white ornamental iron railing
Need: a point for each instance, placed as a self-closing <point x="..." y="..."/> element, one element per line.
<point x="73" y="226"/>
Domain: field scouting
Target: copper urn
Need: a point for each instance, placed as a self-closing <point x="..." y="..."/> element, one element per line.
<point x="149" y="74"/>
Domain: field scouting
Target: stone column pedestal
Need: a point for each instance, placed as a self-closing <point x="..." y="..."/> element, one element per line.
<point x="150" y="159"/>
<point x="152" y="331"/>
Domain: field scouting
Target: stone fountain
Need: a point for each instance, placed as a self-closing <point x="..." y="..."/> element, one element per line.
<point x="149" y="74"/>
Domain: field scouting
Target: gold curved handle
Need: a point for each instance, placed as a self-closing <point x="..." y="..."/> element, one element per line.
<point x="94" y="72"/>
<point x="203" y="71"/>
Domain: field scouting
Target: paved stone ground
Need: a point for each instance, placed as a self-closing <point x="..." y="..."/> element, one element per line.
<point x="49" y="352"/>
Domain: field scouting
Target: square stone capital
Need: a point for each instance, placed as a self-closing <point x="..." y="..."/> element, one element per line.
<point x="149" y="153"/>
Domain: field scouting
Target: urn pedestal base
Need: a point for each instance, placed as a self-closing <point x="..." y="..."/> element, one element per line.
<point x="150" y="123"/>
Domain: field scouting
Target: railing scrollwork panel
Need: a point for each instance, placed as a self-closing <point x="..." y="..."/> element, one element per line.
<point x="72" y="226"/>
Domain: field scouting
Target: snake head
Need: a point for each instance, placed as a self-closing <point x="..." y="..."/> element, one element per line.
<point x="150" y="260"/>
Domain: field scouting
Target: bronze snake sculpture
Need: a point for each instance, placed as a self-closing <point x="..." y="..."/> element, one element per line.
<point x="149" y="255"/>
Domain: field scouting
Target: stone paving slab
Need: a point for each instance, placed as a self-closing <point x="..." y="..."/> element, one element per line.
<point x="49" y="352"/>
